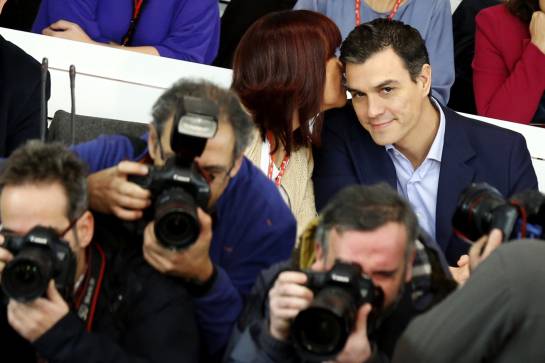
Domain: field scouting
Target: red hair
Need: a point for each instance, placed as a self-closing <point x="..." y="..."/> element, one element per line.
<point x="279" y="68"/>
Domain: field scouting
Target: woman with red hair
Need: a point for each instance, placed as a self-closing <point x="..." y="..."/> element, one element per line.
<point x="286" y="74"/>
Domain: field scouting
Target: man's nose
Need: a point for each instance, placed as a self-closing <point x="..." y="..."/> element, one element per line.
<point x="375" y="106"/>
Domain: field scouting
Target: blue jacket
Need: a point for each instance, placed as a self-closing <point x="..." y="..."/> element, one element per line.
<point x="473" y="151"/>
<point x="241" y="245"/>
<point x="180" y="29"/>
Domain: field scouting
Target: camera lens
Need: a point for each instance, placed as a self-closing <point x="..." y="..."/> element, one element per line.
<point x="176" y="223"/>
<point x="320" y="331"/>
<point x="475" y="211"/>
<point x="25" y="278"/>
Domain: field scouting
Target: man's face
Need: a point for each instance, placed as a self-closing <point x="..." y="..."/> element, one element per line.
<point x="216" y="164"/>
<point x="380" y="253"/>
<point x="24" y="207"/>
<point x="387" y="101"/>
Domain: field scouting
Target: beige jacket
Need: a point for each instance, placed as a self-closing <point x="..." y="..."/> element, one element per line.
<point x="296" y="181"/>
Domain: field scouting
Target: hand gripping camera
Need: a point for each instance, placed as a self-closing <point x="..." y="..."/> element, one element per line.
<point x="39" y="257"/>
<point x="178" y="188"/>
<point x="481" y="208"/>
<point x="320" y="331"/>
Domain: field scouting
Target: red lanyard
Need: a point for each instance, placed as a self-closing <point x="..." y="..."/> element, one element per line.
<point x="137" y="8"/>
<point x="390" y="17"/>
<point x="283" y="166"/>
<point x="134" y="20"/>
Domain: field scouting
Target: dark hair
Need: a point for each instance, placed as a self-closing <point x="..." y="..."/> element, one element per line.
<point x="279" y="69"/>
<point x="37" y="163"/>
<point x="523" y="9"/>
<point x="370" y="38"/>
<point x="366" y="208"/>
<point x="227" y="101"/>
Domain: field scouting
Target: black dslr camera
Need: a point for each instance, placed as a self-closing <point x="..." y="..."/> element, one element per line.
<point x="321" y="330"/>
<point x="40" y="256"/>
<point x="178" y="188"/>
<point x="481" y="208"/>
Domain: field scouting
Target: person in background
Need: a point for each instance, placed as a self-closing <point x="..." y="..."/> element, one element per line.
<point x="20" y="96"/>
<point x="238" y="16"/>
<point x="181" y="29"/>
<point x="432" y="18"/>
<point x="509" y="63"/>
<point x="497" y="316"/>
<point x="462" y="98"/>
<point x="286" y="74"/>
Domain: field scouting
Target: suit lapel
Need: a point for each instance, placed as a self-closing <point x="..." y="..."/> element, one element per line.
<point x="457" y="172"/>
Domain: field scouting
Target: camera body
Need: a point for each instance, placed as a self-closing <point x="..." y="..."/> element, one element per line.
<point x="320" y="331"/>
<point x="39" y="256"/>
<point x="178" y="187"/>
<point x="176" y="193"/>
<point x="481" y="208"/>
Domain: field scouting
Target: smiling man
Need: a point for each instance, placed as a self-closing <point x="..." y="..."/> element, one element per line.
<point x="394" y="132"/>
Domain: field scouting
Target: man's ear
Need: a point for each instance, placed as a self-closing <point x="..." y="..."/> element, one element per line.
<point x="236" y="167"/>
<point x="85" y="228"/>
<point x="424" y="79"/>
<point x="153" y="142"/>
<point x="319" y="262"/>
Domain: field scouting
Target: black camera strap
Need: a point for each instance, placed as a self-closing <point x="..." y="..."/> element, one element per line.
<point x="86" y="298"/>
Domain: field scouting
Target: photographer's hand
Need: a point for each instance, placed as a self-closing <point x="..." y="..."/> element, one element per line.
<point x="31" y="320"/>
<point x="484" y="247"/>
<point x="287" y="298"/>
<point x="5" y="257"/>
<point x="357" y="348"/>
<point x="537" y="30"/>
<point x="192" y="263"/>
<point x="460" y="274"/>
<point x="110" y="192"/>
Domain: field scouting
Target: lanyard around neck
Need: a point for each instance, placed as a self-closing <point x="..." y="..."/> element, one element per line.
<point x="137" y="10"/>
<point x="283" y="165"/>
<point x="390" y="17"/>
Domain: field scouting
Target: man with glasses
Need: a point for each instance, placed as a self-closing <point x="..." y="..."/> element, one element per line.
<point x="112" y="306"/>
<point x="245" y="228"/>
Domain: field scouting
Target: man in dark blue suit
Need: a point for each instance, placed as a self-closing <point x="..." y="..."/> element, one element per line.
<point x="393" y="131"/>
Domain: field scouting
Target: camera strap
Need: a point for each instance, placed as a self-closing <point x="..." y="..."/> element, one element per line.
<point x="86" y="298"/>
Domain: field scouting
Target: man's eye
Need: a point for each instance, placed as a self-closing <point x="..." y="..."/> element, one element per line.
<point x="356" y="94"/>
<point x="387" y="90"/>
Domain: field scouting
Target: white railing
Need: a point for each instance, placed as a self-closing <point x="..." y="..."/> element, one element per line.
<point x="111" y="83"/>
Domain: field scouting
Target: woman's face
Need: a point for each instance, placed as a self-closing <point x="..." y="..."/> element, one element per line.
<point x="334" y="93"/>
